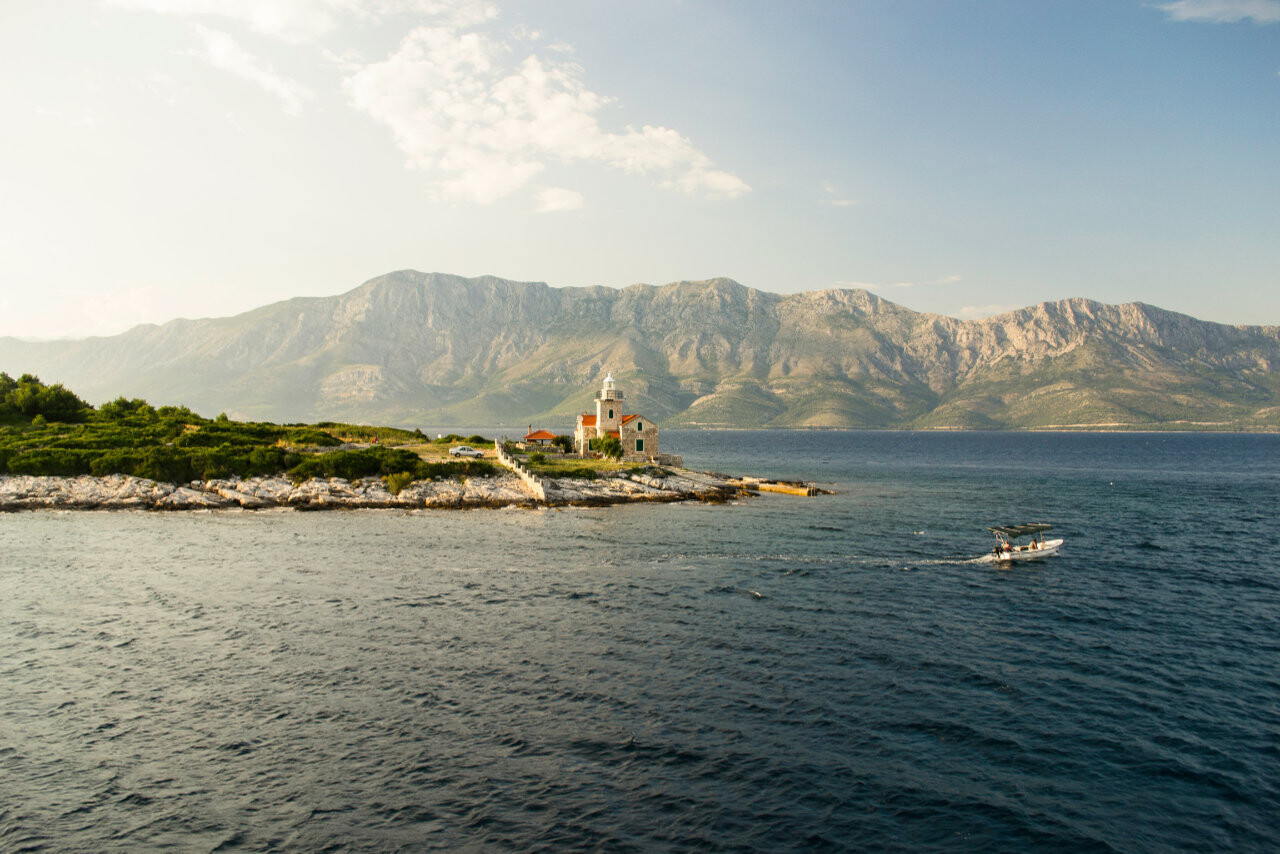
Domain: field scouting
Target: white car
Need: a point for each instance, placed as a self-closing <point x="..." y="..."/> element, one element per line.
<point x="464" y="451"/>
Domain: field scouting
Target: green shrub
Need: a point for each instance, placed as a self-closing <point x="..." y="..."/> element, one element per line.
<point x="115" y="462"/>
<point x="352" y="465"/>
<point x="122" y="408"/>
<point x="398" y="481"/>
<point x="28" y="397"/>
<point x="610" y="446"/>
<point x="308" y="436"/>
<point x="165" y="464"/>
<point x="580" y="472"/>
<point x="50" y="461"/>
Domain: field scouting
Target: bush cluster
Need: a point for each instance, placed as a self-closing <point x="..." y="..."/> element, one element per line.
<point x="475" y="440"/>
<point x="609" y="446"/>
<point x="28" y="398"/>
<point x="48" y="430"/>
<point x="382" y="462"/>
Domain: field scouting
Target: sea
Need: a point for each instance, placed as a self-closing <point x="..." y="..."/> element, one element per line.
<point x="780" y="673"/>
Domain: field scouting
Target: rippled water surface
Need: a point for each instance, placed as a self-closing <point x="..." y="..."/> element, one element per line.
<point x="780" y="673"/>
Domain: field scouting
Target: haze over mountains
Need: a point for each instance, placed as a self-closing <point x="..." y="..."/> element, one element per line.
<point x="418" y="349"/>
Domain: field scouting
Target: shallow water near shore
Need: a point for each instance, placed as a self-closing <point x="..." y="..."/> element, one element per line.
<point x="776" y="673"/>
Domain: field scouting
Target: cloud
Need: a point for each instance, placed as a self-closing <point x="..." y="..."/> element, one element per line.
<point x="460" y="111"/>
<point x="481" y="125"/>
<point x="835" y="198"/>
<point x="306" y="20"/>
<point x="293" y="20"/>
<point x="1224" y="11"/>
<point x="556" y="199"/>
<point x="222" y="52"/>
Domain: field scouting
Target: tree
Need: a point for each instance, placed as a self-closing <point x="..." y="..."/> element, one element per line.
<point x="123" y="407"/>
<point x="610" y="446"/>
<point x="29" y="397"/>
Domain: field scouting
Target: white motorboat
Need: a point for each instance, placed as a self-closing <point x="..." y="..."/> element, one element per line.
<point x="1007" y="548"/>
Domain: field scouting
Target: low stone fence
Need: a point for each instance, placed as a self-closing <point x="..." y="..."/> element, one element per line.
<point x="537" y="486"/>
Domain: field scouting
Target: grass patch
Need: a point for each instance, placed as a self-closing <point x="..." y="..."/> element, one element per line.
<point x="557" y="466"/>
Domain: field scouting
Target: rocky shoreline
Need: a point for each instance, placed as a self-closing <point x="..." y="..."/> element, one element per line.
<point x="123" y="492"/>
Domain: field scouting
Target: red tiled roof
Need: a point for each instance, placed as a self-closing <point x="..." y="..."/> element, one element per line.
<point x="627" y="419"/>
<point x="588" y="420"/>
<point x="540" y="434"/>
<point x="615" y="434"/>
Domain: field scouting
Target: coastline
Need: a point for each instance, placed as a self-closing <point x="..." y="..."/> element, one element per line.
<point x="125" y="492"/>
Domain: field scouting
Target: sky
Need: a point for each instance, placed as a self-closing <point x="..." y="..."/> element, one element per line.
<point x="199" y="158"/>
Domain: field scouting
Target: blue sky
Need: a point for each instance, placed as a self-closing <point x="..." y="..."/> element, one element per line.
<point x="194" y="158"/>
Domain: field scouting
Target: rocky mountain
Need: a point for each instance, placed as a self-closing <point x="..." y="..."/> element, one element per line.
<point x="429" y="349"/>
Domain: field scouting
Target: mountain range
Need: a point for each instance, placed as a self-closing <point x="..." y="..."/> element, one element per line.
<point x="419" y="349"/>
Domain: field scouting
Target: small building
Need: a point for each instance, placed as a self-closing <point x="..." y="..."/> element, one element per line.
<point x="539" y="438"/>
<point x="638" y="434"/>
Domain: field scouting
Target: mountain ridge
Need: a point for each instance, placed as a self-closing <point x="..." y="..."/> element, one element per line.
<point x="430" y="348"/>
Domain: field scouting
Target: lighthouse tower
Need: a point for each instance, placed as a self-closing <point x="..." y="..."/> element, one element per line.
<point x="608" y="407"/>
<point x="637" y="434"/>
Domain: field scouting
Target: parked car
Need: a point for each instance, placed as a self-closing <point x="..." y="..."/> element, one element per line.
<point x="465" y="451"/>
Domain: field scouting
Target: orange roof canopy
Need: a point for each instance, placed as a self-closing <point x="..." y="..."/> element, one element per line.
<point x="540" y="435"/>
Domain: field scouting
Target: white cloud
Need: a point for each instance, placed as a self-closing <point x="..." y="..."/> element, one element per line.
<point x="1224" y="11"/>
<point x="305" y="20"/>
<point x="294" y="20"/>
<point x="555" y="199"/>
<point x="835" y="198"/>
<point x="222" y="52"/>
<point x="459" y="110"/>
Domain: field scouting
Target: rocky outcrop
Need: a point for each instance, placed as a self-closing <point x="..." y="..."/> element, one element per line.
<point x="419" y="349"/>
<point x="122" y="492"/>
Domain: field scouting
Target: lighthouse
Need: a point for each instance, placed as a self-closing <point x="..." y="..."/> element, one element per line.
<point x="638" y="434"/>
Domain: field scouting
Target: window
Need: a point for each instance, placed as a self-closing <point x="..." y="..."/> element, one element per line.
<point x="610" y="414"/>
<point x="639" y="426"/>
<point x="639" y="445"/>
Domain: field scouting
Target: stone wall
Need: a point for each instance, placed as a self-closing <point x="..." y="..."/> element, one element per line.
<point x="537" y="486"/>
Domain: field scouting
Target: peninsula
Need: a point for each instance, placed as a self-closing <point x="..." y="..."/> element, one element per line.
<point x="56" y="451"/>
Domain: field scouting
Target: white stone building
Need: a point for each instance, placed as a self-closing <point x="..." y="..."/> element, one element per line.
<point x="639" y="435"/>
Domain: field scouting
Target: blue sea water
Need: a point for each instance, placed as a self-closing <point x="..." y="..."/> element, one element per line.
<point x="778" y="673"/>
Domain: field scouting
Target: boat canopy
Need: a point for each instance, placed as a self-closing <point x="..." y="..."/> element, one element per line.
<point x="1020" y="530"/>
